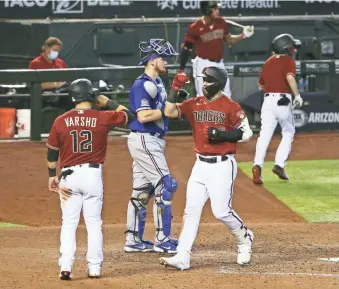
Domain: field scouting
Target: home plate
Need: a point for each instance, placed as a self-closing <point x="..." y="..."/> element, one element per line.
<point x="329" y="259"/>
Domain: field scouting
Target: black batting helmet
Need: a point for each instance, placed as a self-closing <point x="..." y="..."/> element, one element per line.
<point x="216" y="77"/>
<point x="206" y="7"/>
<point x="284" y="43"/>
<point x="82" y="90"/>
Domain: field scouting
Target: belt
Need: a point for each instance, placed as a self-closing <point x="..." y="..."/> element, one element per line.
<point x="214" y="159"/>
<point x="276" y="94"/>
<point x="150" y="133"/>
<point x="89" y="165"/>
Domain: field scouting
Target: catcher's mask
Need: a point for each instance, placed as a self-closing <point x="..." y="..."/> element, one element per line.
<point x="155" y="48"/>
<point x="215" y="78"/>
<point x="285" y="44"/>
<point x="82" y="90"/>
<point x="206" y="7"/>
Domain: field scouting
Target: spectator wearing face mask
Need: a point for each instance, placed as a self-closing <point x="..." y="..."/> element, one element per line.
<point x="49" y="59"/>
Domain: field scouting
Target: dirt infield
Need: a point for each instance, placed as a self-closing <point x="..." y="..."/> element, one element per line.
<point x="285" y="250"/>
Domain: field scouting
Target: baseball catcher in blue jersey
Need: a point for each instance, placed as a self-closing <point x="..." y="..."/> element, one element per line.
<point x="151" y="175"/>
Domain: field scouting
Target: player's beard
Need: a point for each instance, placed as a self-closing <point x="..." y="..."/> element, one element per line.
<point x="161" y="70"/>
<point x="210" y="90"/>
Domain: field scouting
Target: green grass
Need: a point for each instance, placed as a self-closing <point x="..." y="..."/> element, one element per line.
<point x="312" y="191"/>
<point x="9" y="225"/>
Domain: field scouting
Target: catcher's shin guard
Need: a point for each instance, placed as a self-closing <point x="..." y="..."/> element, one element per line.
<point x="164" y="222"/>
<point x="163" y="207"/>
<point x="138" y="211"/>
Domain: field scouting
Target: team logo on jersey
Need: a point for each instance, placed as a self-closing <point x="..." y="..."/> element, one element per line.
<point x="144" y="103"/>
<point x="212" y="35"/>
<point x="209" y="116"/>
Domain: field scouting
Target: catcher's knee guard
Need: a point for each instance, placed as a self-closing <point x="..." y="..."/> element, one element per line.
<point x="164" y="204"/>
<point x="140" y="209"/>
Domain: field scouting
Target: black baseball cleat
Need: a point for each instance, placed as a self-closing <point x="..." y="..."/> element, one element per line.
<point x="65" y="275"/>
<point x="280" y="172"/>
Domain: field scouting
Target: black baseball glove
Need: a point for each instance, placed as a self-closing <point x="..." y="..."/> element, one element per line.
<point x="283" y="101"/>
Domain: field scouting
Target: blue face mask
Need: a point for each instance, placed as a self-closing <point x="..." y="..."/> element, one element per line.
<point x="53" y="55"/>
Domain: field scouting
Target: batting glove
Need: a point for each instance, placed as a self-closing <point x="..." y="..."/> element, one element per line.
<point x="182" y="76"/>
<point x="179" y="81"/>
<point x="297" y="102"/>
<point x="213" y="132"/>
<point x="248" y="31"/>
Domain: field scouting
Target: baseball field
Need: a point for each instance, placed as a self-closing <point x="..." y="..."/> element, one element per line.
<point x="295" y="223"/>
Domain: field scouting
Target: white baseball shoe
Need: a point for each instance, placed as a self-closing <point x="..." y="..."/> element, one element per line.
<point x="178" y="261"/>
<point x="94" y="273"/>
<point x="244" y="238"/>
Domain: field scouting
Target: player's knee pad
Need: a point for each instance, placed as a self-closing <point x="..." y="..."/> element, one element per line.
<point x="140" y="205"/>
<point x="170" y="186"/>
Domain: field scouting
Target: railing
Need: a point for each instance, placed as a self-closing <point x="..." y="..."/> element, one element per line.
<point x="127" y="74"/>
<point x="168" y="20"/>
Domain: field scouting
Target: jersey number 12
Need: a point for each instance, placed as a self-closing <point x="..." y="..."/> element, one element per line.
<point x="85" y="144"/>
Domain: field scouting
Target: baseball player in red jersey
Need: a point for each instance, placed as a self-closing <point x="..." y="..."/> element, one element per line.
<point x="277" y="80"/>
<point x="208" y="35"/>
<point x="80" y="138"/>
<point x="218" y="123"/>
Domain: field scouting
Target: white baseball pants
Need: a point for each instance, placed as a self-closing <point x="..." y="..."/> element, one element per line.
<point x="271" y="115"/>
<point x="209" y="181"/>
<point x="87" y="186"/>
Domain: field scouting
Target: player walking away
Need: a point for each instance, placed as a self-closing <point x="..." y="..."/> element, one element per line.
<point x="80" y="137"/>
<point x="151" y="175"/>
<point x="218" y="123"/>
<point x="277" y="80"/>
<point x="208" y="35"/>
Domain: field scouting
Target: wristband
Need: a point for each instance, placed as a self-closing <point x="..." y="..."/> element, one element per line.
<point x="52" y="172"/>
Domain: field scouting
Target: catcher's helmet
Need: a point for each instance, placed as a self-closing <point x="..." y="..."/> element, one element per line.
<point x="206" y="7"/>
<point x="284" y="43"/>
<point x="82" y="90"/>
<point x="155" y="48"/>
<point x="216" y="77"/>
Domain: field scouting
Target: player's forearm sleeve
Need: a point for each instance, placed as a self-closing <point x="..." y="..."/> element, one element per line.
<point x="185" y="53"/>
<point x="172" y="96"/>
<point x="131" y="116"/>
<point x="111" y="105"/>
<point x="52" y="155"/>
<point x="230" y="136"/>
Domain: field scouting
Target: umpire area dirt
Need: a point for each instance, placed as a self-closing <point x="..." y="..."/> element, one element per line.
<point x="285" y="252"/>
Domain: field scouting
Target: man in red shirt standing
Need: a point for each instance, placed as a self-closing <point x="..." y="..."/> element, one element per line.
<point x="218" y="123"/>
<point x="80" y="138"/>
<point x="277" y="80"/>
<point x="49" y="59"/>
<point x="208" y="35"/>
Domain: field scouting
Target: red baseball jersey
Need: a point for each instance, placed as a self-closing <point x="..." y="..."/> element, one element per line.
<point x="41" y="63"/>
<point x="80" y="135"/>
<point x="274" y="72"/>
<point x="208" y="39"/>
<point x="202" y="113"/>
